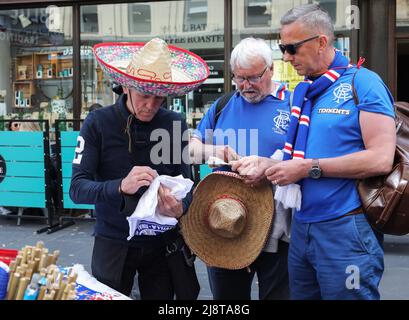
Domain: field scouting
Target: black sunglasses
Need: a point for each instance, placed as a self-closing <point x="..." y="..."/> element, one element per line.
<point x="291" y="48"/>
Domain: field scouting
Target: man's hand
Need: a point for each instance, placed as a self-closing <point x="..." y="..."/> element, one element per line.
<point x="138" y="177"/>
<point x="200" y="152"/>
<point x="225" y="153"/>
<point x="167" y="204"/>
<point x="252" y="168"/>
<point x="287" y="172"/>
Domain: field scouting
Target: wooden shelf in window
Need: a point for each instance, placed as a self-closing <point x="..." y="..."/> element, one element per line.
<point x="65" y="68"/>
<point x="45" y="65"/>
<point x="24" y="67"/>
<point x="51" y="65"/>
<point x="23" y="91"/>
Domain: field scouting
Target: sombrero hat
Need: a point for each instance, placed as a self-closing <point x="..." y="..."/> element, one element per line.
<point x="152" y="68"/>
<point x="228" y="222"/>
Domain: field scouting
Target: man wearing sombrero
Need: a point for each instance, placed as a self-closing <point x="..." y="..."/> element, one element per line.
<point x="112" y="167"/>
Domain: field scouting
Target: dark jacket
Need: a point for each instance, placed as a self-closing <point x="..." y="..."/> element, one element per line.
<point x="103" y="160"/>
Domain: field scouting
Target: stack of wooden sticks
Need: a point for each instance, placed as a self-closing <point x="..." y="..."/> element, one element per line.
<point x="34" y="275"/>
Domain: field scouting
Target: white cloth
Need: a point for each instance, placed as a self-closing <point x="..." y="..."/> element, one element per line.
<point x="290" y="195"/>
<point x="146" y="219"/>
<point x="281" y="227"/>
<point x="89" y="288"/>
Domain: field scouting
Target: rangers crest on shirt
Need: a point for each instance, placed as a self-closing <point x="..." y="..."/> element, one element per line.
<point x="343" y="92"/>
<point x="281" y="122"/>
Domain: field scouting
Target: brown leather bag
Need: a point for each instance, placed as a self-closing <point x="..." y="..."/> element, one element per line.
<point x="385" y="199"/>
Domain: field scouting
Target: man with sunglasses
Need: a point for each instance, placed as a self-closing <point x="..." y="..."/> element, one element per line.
<point x="252" y="124"/>
<point x="332" y="141"/>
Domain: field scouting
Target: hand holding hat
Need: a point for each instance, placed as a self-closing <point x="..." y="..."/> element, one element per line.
<point x="228" y="223"/>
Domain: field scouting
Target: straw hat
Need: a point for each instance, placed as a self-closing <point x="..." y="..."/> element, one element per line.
<point x="152" y="68"/>
<point x="228" y="222"/>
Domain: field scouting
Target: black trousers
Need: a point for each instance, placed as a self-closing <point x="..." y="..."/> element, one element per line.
<point x="115" y="264"/>
<point x="272" y="274"/>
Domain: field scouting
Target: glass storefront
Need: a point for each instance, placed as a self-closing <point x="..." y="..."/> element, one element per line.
<point x="36" y="46"/>
<point x="402" y="14"/>
<point x="261" y="18"/>
<point x="36" y="68"/>
<point x="402" y="47"/>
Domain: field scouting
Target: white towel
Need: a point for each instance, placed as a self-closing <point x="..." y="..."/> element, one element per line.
<point x="146" y="219"/>
<point x="290" y="195"/>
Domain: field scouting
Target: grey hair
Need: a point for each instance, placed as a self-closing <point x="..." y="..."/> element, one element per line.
<point x="249" y="49"/>
<point x="313" y="17"/>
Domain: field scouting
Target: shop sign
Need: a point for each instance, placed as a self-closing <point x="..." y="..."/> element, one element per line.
<point x="215" y="38"/>
<point x="194" y="27"/>
<point x="215" y="68"/>
<point x="34" y="26"/>
<point x="3" y="170"/>
<point x="85" y="52"/>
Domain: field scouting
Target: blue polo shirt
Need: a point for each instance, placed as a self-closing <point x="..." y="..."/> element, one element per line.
<point x="335" y="131"/>
<point x="249" y="128"/>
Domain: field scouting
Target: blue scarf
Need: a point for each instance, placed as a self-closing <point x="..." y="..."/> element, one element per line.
<point x="304" y="93"/>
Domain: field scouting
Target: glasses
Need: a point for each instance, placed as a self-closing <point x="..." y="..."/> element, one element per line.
<point x="252" y="79"/>
<point x="292" y="47"/>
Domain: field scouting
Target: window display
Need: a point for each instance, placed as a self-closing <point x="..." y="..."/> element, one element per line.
<point x="36" y="47"/>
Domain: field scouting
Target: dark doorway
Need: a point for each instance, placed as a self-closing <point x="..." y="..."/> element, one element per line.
<point x="402" y="70"/>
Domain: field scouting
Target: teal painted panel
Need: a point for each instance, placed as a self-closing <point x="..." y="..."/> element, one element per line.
<point x="18" y="138"/>
<point x="67" y="154"/>
<point x="21" y="199"/>
<point x="69" y="138"/>
<point x="22" y="153"/>
<point x="67" y="170"/>
<point x="25" y="169"/>
<point x="66" y="183"/>
<point x="68" y="204"/>
<point x="22" y="184"/>
<point x="204" y="171"/>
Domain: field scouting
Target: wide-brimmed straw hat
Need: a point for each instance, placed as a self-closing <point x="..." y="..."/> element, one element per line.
<point x="228" y="222"/>
<point x="153" y="67"/>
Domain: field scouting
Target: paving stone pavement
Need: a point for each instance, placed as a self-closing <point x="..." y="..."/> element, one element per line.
<point x="75" y="245"/>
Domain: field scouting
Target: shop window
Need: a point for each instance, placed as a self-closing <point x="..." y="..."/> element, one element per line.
<point x="195" y="15"/>
<point x="257" y="13"/>
<point x="36" y="73"/>
<point x="139" y="18"/>
<point x="402" y="14"/>
<point x="89" y="19"/>
<point x="261" y="19"/>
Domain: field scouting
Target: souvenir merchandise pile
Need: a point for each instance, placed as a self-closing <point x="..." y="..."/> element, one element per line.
<point x="32" y="274"/>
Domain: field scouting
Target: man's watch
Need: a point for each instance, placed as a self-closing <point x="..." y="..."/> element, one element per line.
<point x="315" y="172"/>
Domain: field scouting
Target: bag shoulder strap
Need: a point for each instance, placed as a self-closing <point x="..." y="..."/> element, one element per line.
<point x="358" y="66"/>
<point x="221" y="103"/>
<point x="354" y="93"/>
